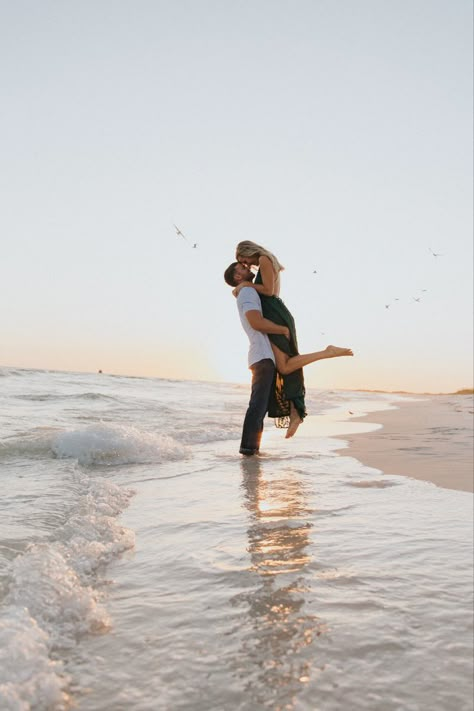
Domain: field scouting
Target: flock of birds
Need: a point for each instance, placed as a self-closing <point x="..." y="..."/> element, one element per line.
<point x="416" y="299"/>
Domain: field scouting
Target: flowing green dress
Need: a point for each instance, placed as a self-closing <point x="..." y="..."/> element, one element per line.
<point x="288" y="388"/>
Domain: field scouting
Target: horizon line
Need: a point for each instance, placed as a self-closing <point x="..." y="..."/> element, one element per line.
<point x="460" y="391"/>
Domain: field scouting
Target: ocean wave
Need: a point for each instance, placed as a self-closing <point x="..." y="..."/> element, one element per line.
<point x="6" y="371"/>
<point x="372" y="483"/>
<point x="44" y="582"/>
<point x="33" y="443"/>
<point x="97" y="444"/>
<point x="29" y="678"/>
<point x="210" y="432"/>
<point x="92" y="535"/>
<point x="53" y="580"/>
<point x="117" y="444"/>
<point x="45" y="397"/>
<point x="51" y="600"/>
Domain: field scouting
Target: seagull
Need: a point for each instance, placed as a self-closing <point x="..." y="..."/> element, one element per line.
<point x="387" y="306"/>
<point x="179" y="233"/>
<point x="195" y="245"/>
<point x="314" y="271"/>
<point x="435" y="254"/>
<point x="416" y="299"/>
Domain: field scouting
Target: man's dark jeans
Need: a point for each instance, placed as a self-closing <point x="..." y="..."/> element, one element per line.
<point x="263" y="374"/>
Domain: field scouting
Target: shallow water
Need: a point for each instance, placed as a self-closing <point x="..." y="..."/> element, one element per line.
<point x="144" y="565"/>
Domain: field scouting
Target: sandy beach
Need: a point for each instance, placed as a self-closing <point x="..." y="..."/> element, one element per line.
<point x="427" y="437"/>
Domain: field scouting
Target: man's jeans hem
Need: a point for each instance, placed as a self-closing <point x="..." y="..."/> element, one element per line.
<point x="248" y="452"/>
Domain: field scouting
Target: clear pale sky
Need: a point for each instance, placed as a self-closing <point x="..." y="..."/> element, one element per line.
<point x="337" y="133"/>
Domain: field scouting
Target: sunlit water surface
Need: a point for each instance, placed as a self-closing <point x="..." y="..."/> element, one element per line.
<point x="144" y="565"/>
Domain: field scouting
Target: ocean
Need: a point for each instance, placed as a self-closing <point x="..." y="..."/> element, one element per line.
<point x="146" y="566"/>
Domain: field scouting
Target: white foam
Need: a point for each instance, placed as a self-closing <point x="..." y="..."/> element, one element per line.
<point x="118" y="444"/>
<point x="52" y="601"/>
<point x="29" y="679"/>
<point x="46" y="584"/>
<point x="92" y="534"/>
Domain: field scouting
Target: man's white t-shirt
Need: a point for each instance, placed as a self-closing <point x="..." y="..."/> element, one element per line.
<point x="260" y="348"/>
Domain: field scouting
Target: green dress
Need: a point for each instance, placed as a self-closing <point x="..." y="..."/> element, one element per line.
<point x="288" y="388"/>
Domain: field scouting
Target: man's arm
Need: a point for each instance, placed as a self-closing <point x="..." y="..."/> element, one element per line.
<point x="259" y="323"/>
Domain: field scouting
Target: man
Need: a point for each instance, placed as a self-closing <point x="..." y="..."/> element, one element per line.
<point x="261" y="360"/>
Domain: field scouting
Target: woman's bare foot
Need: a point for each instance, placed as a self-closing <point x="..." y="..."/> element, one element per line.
<point x="335" y="352"/>
<point x="295" y="422"/>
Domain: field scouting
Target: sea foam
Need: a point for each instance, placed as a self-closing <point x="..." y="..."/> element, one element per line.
<point x="100" y="444"/>
<point x="29" y="679"/>
<point x="52" y="599"/>
<point x="113" y="445"/>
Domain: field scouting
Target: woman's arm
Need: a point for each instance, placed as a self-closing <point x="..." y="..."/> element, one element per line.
<point x="267" y="287"/>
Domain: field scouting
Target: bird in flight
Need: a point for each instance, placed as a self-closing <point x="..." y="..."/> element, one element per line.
<point x="435" y="254"/>
<point x="387" y="306"/>
<point x="416" y="299"/>
<point x="179" y="233"/>
<point x="195" y="245"/>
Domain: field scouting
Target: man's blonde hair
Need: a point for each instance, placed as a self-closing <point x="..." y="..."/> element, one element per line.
<point x="251" y="249"/>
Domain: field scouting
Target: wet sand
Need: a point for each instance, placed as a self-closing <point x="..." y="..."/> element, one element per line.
<point x="429" y="439"/>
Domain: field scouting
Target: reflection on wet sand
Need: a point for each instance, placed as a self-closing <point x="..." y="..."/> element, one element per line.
<point x="277" y="630"/>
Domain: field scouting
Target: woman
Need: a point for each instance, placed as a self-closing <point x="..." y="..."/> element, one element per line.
<point x="290" y="389"/>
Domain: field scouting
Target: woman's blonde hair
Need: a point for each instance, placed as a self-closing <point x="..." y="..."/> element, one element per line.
<point x="251" y="249"/>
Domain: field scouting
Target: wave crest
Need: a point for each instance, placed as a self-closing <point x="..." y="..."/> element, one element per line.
<point x="118" y="444"/>
<point x="96" y="445"/>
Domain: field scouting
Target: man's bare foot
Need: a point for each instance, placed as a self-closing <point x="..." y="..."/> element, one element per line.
<point x="335" y="352"/>
<point x="295" y="422"/>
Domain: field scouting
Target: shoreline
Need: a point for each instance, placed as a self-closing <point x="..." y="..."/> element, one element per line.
<point x="429" y="440"/>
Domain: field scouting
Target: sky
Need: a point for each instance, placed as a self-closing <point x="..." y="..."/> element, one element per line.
<point x="336" y="133"/>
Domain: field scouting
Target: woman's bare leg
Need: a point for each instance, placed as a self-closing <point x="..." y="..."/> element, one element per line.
<point x="295" y="421"/>
<point x="281" y="361"/>
<point x="286" y="364"/>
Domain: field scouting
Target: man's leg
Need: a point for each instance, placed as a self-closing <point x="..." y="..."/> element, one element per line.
<point x="263" y="374"/>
